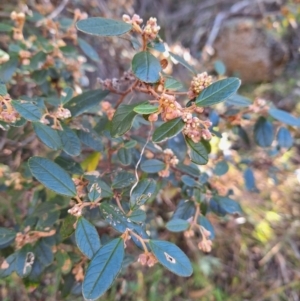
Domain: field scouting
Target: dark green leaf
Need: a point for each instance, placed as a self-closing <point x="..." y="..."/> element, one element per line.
<point x="197" y="152"/>
<point x="249" y="180"/>
<point x="238" y="100"/>
<point x="173" y="84"/>
<point x="24" y="261"/>
<point x="69" y="165"/>
<point x="70" y="141"/>
<point x="88" y="50"/>
<point x="85" y="101"/>
<point x="47" y="135"/>
<point x="221" y="168"/>
<point x="189" y="181"/>
<point x="103" y="269"/>
<point x="40" y="76"/>
<point x="125" y="156"/>
<point x="105" y="189"/>
<point x="138" y="216"/>
<point x="222" y="205"/>
<point x="52" y="176"/>
<point x="204" y="222"/>
<point x="67" y="95"/>
<point x="142" y="192"/>
<point x="284" y="138"/>
<point x="122" y="120"/>
<point x="8" y="266"/>
<point x="5" y="27"/>
<point x="146" y="67"/>
<point x="123" y="179"/>
<point x="182" y="61"/>
<point x="145" y="109"/>
<point x="43" y="253"/>
<point x="94" y="192"/>
<point x="3" y="90"/>
<point x="87" y="238"/>
<point x="263" y="132"/>
<point x="7" y="236"/>
<point x="177" y="225"/>
<point x="284" y="117"/>
<point x="91" y="139"/>
<point x="168" y="130"/>
<point x="171" y="257"/>
<point x="152" y="166"/>
<point x="192" y="169"/>
<point x="218" y="92"/>
<point x="37" y="60"/>
<point x="27" y="110"/>
<point x="8" y="69"/>
<point x="67" y="227"/>
<point x="103" y="27"/>
<point x="185" y="210"/>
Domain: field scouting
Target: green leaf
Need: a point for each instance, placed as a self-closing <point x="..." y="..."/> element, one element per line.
<point x="103" y="27"/>
<point x="87" y="238"/>
<point x="7" y="236"/>
<point x="223" y="205"/>
<point x="143" y="191"/>
<point x="220" y="67"/>
<point x="103" y="269"/>
<point x="204" y="222"/>
<point x="70" y="141"/>
<point x="91" y="139"/>
<point x="171" y="257"/>
<point x="24" y="261"/>
<point x="122" y="120"/>
<point x="105" y="189"/>
<point x="69" y="165"/>
<point x="47" y="135"/>
<point x="263" y="132"/>
<point x="27" y="110"/>
<point x="52" y="176"/>
<point x="138" y="216"/>
<point x="123" y="179"/>
<point x="152" y="166"/>
<point x="145" y="109"/>
<point x="125" y="156"/>
<point x="168" y="129"/>
<point x="67" y="95"/>
<point x="177" y="225"/>
<point x="88" y="50"/>
<point x="43" y="253"/>
<point x="197" y="152"/>
<point x="189" y="181"/>
<point x="185" y="210"/>
<point x="221" y="168"/>
<point x="3" y="90"/>
<point x="218" y="92"/>
<point x="40" y="76"/>
<point x="5" y="27"/>
<point x="94" y="192"/>
<point x="37" y="60"/>
<point x="67" y="227"/>
<point x="182" y="62"/>
<point x="85" y="101"/>
<point x="9" y="267"/>
<point x="8" y="69"/>
<point x="173" y="84"/>
<point x="249" y="180"/>
<point x="146" y="67"/>
<point x="238" y="100"/>
<point x="284" y="117"/>
<point x="284" y="138"/>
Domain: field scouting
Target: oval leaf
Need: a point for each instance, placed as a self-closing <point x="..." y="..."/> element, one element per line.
<point x="263" y="132"/>
<point x="171" y="257"/>
<point x="122" y="120"/>
<point x="88" y="50"/>
<point x="52" y="176"/>
<point x="182" y="62"/>
<point x="146" y="67"/>
<point x="27" y="110"/>
<point x="177" y="225"/>
<point x="124" y="156"/>
<point x="7" y="236"/>
<point x="103" y="269"/>
<point x="218" y="91"/>
<point x="70" y="141"/>
<point x="284" y="117"/>
<point x="168" y="130"/>
<point x="103" y="27"/>
<point x="142" y="192"/>
<point x="47" y="135"/>
<point x="87" y="237"/>
<point x="152" y="166"/>
<point x="197" y="152"/>
<point x="145" y="109"/>
<point x="285" y="138"/>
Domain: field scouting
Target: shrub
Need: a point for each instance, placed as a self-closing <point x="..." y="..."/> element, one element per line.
<point x="106" y="167"/>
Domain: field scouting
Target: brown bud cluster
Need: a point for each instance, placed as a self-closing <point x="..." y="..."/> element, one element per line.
<point x="196" y="129"/>
<point x="76" y="210"/>
<point x="62" y="113"/>
<point x="205" y="244"/>
<point x="171" y="160"/>
<point x="108" y="109"/>
<point x="25" y="56"/>
<point x="199" y="83"/>
<point x="135" y="19"/>
<point x="7" y="112"/>
<point x="151" y="29"/>
<point x="19" y="19"/>
<point x="169" y="107"/>
<point x="147" y="259"/>
<point x="80" y="187"/>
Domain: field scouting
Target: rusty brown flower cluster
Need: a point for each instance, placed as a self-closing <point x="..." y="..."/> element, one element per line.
<point x="147" y="259"/>
<point x="7" y="111"/>
<point x="170" y="160"/>
<point x="198" y="84"/>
